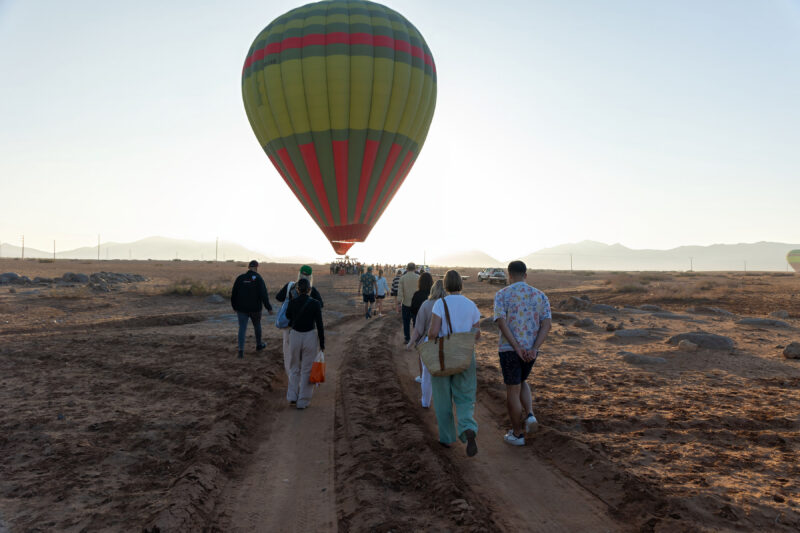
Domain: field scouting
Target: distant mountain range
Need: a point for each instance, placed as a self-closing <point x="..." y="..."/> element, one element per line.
<point x="585" y="255"/>
<point x="592" y="255"/>
<point x="157" y="248"/>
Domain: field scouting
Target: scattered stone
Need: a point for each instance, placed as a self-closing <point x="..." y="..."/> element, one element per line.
<point x="38" y="279"/>
<point x="687" y="346"/>
<point x="702" y="339"/>
<point x="770" y="322"/>
<point x="12" y="290"/>
<point x="70" y="277"/>
<point x="792" y="351"/>
<point x="572" y="341"/>
<point x="639" y="359"/>
<point x="610" y="327"/>
<point x="584" y="323"/>
<point x="632" y="333"/>
<point x="781" y="313"/>
<point x="570" y="333"/>
<point x="8" y="277"/>
<point x="563" y="316"/>
<point x="575" y="304"/>
<point x="671" y="316"/>
<point x="650" y="307"/>
<point x="707" y="310"/>
<point x="603" y="308"/>
<point x="215" y="299"/>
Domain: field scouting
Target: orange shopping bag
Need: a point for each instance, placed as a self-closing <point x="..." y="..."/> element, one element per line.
<point x="318" y="369"/>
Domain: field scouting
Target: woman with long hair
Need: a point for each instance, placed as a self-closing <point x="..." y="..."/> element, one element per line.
<point x="419" y="335"/>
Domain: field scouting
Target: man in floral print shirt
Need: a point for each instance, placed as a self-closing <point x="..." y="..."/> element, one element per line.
<point x="522" y="314"/>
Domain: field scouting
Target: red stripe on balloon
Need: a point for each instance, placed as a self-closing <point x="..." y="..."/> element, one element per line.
<point x="312" y="165"/>
<point x="340" y="167"/>
<point x="394" y="152"/>
<point x="396" y="182"/>
<point x="370" y="151"/>
<point x="287" y="162"/>
<point x="322" y="39"/>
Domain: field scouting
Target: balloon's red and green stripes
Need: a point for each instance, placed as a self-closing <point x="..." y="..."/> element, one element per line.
<point x="793" y="258"/>
<point x="341" y="94"/>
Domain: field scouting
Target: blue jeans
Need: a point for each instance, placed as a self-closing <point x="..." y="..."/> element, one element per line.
<point x="407" y="323"/>
<point x="243" y="318"/>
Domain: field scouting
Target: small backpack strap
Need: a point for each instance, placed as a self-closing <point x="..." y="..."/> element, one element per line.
<point x="447" y="314"/>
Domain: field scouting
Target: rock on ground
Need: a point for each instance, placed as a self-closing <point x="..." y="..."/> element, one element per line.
<point x="708" y="310"/>
<point x="650" y="307"/>
<point x="771" y="322"/>
<point x="632" y="333"/>
<point x="792" y="351"/>
<point x="574" y="303"/>
<point x="8" y="277"/>
<point x="603" y="308"/>
<point x="639" y="359"/>
<point x="215" y="299"/>
<point x="563" y="316"/>
<point x="584" y="323"/>
<point x="704" y="340"/>
<point x="781" y="313"/>
<point x="687" y="346"/>
<point x="71" y="277"/>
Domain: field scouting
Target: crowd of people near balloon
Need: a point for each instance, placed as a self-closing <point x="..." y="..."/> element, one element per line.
<point x="431" y="312"/>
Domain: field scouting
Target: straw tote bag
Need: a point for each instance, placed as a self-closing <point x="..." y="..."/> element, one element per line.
<point x="448" y="355"/>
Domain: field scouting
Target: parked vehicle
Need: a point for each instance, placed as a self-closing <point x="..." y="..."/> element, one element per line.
<point x="493" y="275"/>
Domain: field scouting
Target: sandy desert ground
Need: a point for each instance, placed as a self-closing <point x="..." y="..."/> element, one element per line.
<point x="123" y="407"/>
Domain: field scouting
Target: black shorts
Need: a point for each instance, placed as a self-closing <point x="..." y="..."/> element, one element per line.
<point x="515" y="370"/>
<point x="369" y="298"/>
<point x="380" y="297"/>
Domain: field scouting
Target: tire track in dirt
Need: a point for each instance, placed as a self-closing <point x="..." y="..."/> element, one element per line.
<point x="391" y="473"/>
<point x="524" y="492"/>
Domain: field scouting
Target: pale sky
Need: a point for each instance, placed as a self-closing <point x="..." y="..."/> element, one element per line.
<point x="653" y="124"/>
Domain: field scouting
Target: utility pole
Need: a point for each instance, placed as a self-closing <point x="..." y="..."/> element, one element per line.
<point x="745" y="266"/>
<point x="691" y="264"/>
<point x="54" y="250"/>
<point x="98" y="247"/>
<point x="570" y="262"/>
<point x="216" y="251"/>
<point x="23" y="247"/>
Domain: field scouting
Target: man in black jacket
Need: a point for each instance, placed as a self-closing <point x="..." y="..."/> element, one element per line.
<point x="249" y="293"/>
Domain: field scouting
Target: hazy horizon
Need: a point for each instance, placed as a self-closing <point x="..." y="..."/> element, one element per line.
<point x="654" y="125"/>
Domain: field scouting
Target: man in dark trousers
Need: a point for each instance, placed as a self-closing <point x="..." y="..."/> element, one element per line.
<point x="248" y="295"/>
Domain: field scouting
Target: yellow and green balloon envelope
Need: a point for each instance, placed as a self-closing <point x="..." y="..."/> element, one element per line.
<point x="793" y="258"/>
<point x="341" y="94"/>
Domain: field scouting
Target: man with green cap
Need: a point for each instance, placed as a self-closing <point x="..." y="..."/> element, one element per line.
<point x="289" y="291"/>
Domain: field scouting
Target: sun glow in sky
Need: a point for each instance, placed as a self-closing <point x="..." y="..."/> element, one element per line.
<point x="652" y="124"/>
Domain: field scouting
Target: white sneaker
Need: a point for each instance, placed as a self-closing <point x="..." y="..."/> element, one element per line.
<point x="418" y="379"/>
<point x="531" y="424"/>
<point x="513" y="439"/>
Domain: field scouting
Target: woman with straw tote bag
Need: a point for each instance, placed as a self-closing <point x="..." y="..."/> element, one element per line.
<point x="454" y="380"/>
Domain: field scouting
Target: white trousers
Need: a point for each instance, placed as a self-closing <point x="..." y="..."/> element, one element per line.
<point x="303" y="349"/>
<point x="427" y="388"/>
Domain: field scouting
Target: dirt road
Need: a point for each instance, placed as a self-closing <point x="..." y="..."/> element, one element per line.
<point x="364" y="457"/>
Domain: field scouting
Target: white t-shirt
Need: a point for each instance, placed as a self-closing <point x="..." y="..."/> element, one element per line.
<point x="463" y="313"/>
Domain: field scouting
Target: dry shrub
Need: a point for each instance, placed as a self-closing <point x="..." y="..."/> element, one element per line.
<point x="187" y="287"/>
<point x="631" y="288"/>
<point x="654" y="276"/>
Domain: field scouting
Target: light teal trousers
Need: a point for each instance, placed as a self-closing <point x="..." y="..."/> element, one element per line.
<point x="458" y="390"/>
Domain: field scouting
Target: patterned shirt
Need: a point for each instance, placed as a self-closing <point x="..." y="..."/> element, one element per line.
<point x="367" y="283"/>
<point x="523" y="307"/>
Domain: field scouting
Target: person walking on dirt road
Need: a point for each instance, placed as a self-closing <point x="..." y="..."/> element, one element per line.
<point x="522" y="314"/>
<point x="304" y="314"/>
<point x="289" y="291"/>
<point x="458" y="389"/>
<point x="420" y="335"/>
<point x="406" y="288"/>
<point x="369" y="286"/>
<point x="382" y="288"/>
<point x="249" y="293"/>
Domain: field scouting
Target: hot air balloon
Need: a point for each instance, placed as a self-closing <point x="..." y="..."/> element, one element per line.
<point x="340" y="95"/>
<point x="793" y="258"/>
